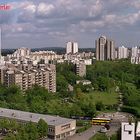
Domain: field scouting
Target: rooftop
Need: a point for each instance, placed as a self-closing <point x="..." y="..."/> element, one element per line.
<point x="33" y="117"/>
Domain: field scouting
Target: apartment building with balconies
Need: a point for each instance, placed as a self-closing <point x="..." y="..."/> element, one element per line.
<point x="26" y="77"/>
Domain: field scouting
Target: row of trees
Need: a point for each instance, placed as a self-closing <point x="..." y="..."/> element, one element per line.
<point x="11" y="130"/>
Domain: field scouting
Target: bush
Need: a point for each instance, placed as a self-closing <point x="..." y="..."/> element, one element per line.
<point x="134" y="110"/>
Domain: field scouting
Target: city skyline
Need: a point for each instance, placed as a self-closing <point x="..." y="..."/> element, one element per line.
<point x="51" y="24"/>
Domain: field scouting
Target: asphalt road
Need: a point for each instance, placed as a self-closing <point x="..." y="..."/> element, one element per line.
<point x="86" y="135"/>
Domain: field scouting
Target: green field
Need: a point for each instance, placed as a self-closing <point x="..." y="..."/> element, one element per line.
<point x="105" y="98"/>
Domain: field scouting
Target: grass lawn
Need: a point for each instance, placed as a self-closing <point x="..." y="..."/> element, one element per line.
<point x="99" y="136"/>
<point x="105" y="98"/>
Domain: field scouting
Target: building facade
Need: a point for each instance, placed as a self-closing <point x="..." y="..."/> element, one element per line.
<point x="105" y="49"/>
<point x="26" y="77"/>
<point x="138" y="131"/>
<point x="135" y="55"/>
<point x="122" y="52"/>
<point x="127" y="131"/>
<point x="72" y="48"/>
<point x="80" y="69"/>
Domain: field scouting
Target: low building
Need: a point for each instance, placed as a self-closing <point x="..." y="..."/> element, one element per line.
<point x="58" y="128"/>
<point x="83" y="82"/>
<point x="127" y="131"/>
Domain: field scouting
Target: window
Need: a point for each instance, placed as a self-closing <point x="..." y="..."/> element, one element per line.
<point x="129" y="132"/>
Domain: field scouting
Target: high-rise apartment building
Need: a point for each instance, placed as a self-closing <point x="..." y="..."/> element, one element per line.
<point x="72" y="47"/>
<point x="135" y="51"/>
<point x="135" y="55"/>
<point x="105" y="49"/>
<point x="122" y="52"/>
<point x="80" y="69"/>
<point x="44" y="76"/>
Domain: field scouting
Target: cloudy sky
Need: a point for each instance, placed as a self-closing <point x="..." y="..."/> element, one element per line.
<point x="51" y="23"/>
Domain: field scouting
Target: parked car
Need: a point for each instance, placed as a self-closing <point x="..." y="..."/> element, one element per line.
<point x="103" y="129"/>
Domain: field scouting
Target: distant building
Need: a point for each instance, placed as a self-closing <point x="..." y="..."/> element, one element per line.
<point x="58" y="128"/>
<point x="127" y="131"/>
<point x="87" y="61"/>
<point x="135" y="51"/>
<point x="105" y="49"/>
<point x="72" y="47"/>
<point x="135" y="60"/>
<point x="135" y="55"/>
<point x="21" y="52"/>
<point x="122" y="52"/>
<point x="83" y="82"/>
<point x="46" y="56"/>
<point x="80" y="69"/>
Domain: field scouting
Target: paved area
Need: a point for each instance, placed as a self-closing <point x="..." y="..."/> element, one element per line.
<point x="86" y="135"/>
<point x="116" y="117"/>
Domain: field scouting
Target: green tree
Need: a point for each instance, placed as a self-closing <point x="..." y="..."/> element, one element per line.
<point x="42" y="127"/>
<point x="31" y="129"/>
<point x="100" y="106"/>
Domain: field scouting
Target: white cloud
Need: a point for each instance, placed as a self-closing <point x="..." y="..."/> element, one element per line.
<point x="95" y="9"/>
<point x="30" y="8"/>
<point x="45" y="9"/>
<point x="71" y="17"/>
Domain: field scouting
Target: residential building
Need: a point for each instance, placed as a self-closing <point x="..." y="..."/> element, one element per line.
<point x="135" y="55"/>
<point x="80" y="69"/>
<point x="122" y="52"/>
<point x="72" y="47"/>
<point x="105" y="49"/>
<point x="27" y="76"/>
<point x="135" y="51"/>
<point x="135" y="60"/>
<point x="127" y="131"/>
<point x="21" y="52"/>
<point x="46" y="56"/>
<point x="58" y="128"/>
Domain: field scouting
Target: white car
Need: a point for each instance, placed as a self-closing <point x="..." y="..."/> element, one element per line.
<point x="103" y="130"/>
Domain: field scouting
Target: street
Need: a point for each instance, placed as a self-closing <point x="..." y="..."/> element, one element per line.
<point x="87" y="134"/>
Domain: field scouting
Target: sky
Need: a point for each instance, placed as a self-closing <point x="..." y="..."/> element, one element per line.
<point x="52" y="23"/>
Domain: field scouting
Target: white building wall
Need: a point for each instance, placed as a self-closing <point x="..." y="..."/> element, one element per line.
<point x="135" y="51"/>
<point x="75" y="47"/>
<point x="69" y="47"/>
<point x="122" y="52"/>
<point x="127" y="131"/>
<point x="72" y="47"/>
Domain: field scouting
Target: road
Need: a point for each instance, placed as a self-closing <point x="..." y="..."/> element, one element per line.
<point x="117" y="117"/>
<point x="86" y="135"/>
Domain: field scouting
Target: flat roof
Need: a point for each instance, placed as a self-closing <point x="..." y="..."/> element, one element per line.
<point x="33" y="117"/>
<point x="138" y="130"/>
